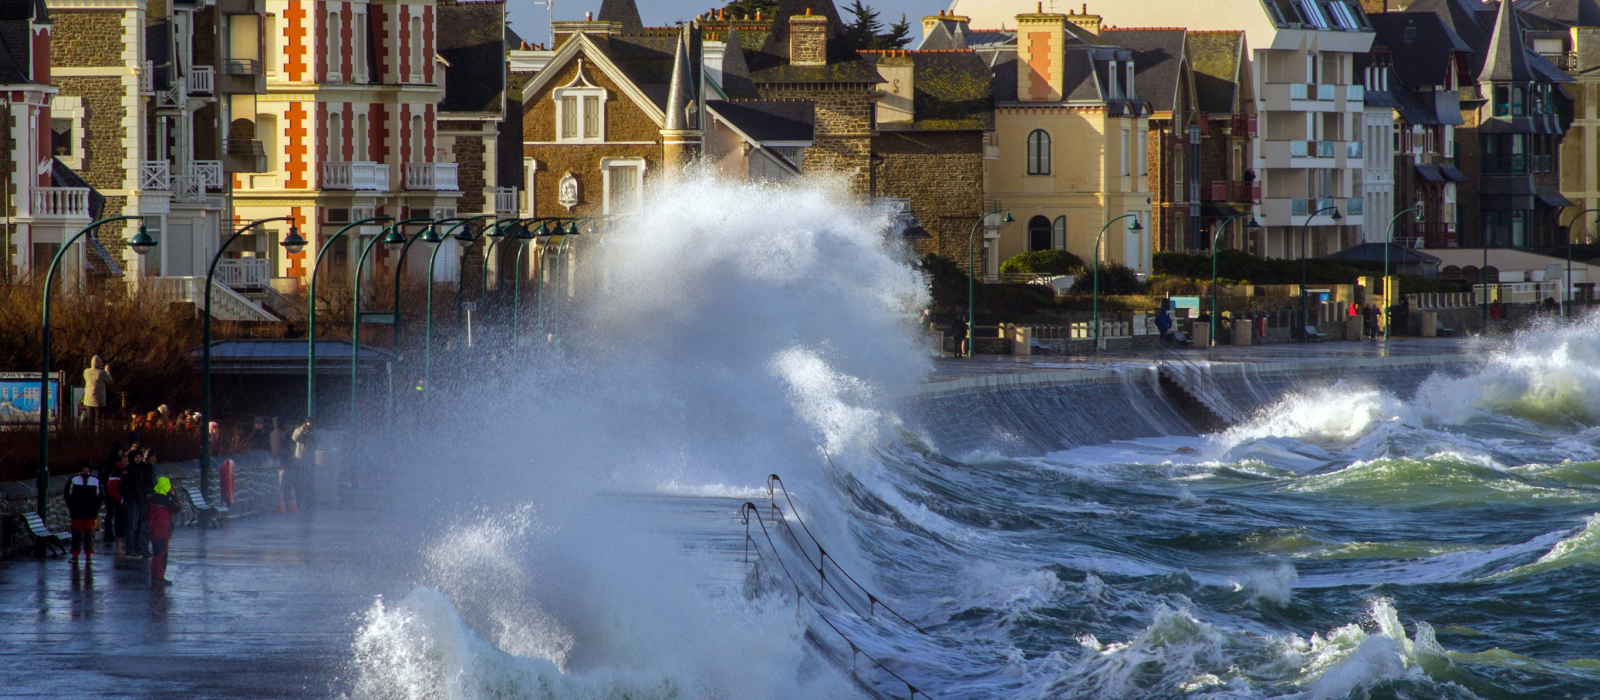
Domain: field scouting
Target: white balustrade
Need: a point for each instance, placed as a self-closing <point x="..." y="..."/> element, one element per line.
<point x="505" y="200"/>
<point x="202" y="80"/>
<point x="431" y="176"/>
<point x="209" y="172"/>
<point x="355" y="175"/>
<point x="241" y="273"/>
<point x="188" y="188"/>
<point x="155" y="175"/>
<point x="61" y="203"/>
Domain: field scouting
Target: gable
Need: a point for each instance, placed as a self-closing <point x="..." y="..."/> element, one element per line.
<point x="599" y="69"/>
<point x="625" y="118"/>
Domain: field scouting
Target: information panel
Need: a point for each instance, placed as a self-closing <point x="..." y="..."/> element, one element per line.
<point x="19" y="398"/>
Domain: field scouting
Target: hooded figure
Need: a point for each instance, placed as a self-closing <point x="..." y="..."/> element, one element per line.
<point x="96" y="380"/>
<point x="160" y="511"/>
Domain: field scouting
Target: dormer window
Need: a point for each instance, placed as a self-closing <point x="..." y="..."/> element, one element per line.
<point x="580" y="110"/>
<point x="1114" y="91"/>
<point x="1131" y="92"/>
<point x="1502" y="101"/>
<point x="1311" y="13"/>
<point x="1345" y="16"/>
<point x="1519" y="106"/>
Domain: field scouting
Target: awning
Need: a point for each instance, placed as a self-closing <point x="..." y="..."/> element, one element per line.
<point x="1451" y="173"/>
<point x="1218" y="211"/>
<point x="1552" y="198"/>
<point x="1429" y="173"/>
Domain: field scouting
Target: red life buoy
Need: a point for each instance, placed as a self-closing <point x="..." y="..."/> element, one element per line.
<point x="227" y="482"/>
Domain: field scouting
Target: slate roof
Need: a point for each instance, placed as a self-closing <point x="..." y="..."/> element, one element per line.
<point x="1567" y="13"/>
<point x="1158" y="56"/>
<point x="624" y="12"/>
<point x="1507" y="58"/>
<point x="1462" y="17"/>
<point x="472" y="38"/>
<point x="736" y="82"/>
<point x="953" y="91"/>
<point x="1421" y="43"/>
<point x="647" y="61"/>
<point x="769" y="120"/>
<point x="14" y="50"/>
<point x="1214" y="60"/>
<point x="770" y="64"/>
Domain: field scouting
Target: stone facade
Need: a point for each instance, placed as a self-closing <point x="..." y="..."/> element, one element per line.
<point x="941" y="174"/>
<point x="84" y="39"/>
<point x="624" y="122"/>
<point x="468" y="152"/>
<point x="104" y="112"/>
<point x="843" y="127"/>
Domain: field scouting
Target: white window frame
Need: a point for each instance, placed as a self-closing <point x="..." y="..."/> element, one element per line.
<point x="70" y="107"/>
<point x="1144" y="152"/>
<point x="578" y="89"/>
<point x="335" y="68"/>
<point x="530" y="175"/>
<point x="606" y="166"/>
<point x="358" y="44"/>
<point x="417" y="46"/>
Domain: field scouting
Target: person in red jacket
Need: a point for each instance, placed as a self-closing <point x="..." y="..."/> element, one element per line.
<point x="83" y="496"/>
<point x="160" y="513"/>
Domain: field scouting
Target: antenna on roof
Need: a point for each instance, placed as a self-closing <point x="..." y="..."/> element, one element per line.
<point x="550" y="7"/>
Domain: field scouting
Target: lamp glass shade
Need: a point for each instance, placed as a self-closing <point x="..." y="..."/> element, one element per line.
<point x="1253" y="223"/>
<point x="1008" y="218"/>
<point x="1135" y="225"/>
<point x="524" y="233"/>
<point x="141" y="242"/>
<point x="572" y="228"/>
<point x="431" y="235"/>
<point x="394" y="240"/>
<point x="495" y="231"/>
<point x="1336" y="216"/>
<point x="293" y="242"/>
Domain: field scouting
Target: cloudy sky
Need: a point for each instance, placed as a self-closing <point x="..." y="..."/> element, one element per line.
<point x="531" y="21"/>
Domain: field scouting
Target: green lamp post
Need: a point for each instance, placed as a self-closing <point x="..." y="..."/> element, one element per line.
<point x="1388" y="240"/>
<point x="292" y="243"/>
<point x="394" y="241"/>
<point x="141" y="243"/>
<point x="1305" y="233"/>
<point x="972" y="272"/>
<point x="1571" y="297"/>
<point x="524" y="236"/>
<point x="311" y="314"/>
<point x="1134" y="227"/>
<point x="399" y="274"/>
<point x="463" y="235"/>
<point x="1222" y="227"/>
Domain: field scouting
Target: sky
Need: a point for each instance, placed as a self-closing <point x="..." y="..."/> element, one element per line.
<point x="532" y="23"/>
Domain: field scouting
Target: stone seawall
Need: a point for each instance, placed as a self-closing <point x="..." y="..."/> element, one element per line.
<point x="255" y="482"/>
<point x="1035" y="412"/>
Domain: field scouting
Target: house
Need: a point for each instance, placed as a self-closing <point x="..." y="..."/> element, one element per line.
<point x="1224" y="88"/>
<point x="40" y="213"/>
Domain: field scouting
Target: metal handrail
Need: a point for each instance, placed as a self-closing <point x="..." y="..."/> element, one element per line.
<point x="745" y="512"/>
<point x="822" y="554"/>
<point x="1201" y="381"/>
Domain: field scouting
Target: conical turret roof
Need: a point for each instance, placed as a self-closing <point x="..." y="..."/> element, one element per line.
<point x="680" y="92"/>
<point x="736" y="80"/>
<point x="1507" y="60"/>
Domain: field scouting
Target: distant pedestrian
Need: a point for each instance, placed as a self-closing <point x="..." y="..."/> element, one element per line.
<point x="83" y="496"/>
<point x="1369" y="321"/>
<point x="1496" y="310"/>
<point x="1164" y="324"/>
<point x="257" y="441"/>
<point x="116" y="522"/>
<point x="294" y="473"/>
<point x="1551" y="307"/>
<point x="160" y="512"/>
<point x="108" y="467"/>
<point x="96" y="381"/>
<point x="136" y="489"/>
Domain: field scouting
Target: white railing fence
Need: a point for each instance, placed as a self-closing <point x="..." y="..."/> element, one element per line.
<point x="155" y="175"/>
<point x="61" y="203"/>
<point x="244" y="273"/>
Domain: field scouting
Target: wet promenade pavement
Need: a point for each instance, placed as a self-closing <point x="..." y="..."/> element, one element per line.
<point x="264" y="608"/>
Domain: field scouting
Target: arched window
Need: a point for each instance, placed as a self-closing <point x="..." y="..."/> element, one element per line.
<point x="416" y="50"/>
<point x="1039" y="233"/>
<point x="419" y="141"/>
<point x="1058" y="238"/>
<point x="1039" y="152"/>
<point x="335" y="135"/>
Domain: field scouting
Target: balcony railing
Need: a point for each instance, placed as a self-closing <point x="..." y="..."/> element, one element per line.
<point x="61" y="203"/>
<point x="188" y="188"/>
<point x="1299" y="91"/>
<point x="241" y="66"/>
<point x="1231" y="191"/>
<point x="245" y="273"/>
<point x="1353" y="149"/>
<point x="209" y="172"/>
<point x="155" y="175"/>
<point x="1325" y="149"/>
<point x="147" y="77"/>
<point x="244" y="147"/>
<point x="505" y="200"/>
<point x="202" y="80"/>
<point x="1300" y="149"/>
<point x="1325" y="92"/>
<point x="431" y="176"/>
<point x="1307" y="207"/>
<point x="1437" y="234"/>
<point x="1244" y="125"/>
<point x="1513" y="163"/>
<point x="1355" y="206"/>
<point x="1355" y="93"/>
<point x="355" y="175"/>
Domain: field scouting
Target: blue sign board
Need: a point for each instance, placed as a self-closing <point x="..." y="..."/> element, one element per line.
<point x="19" y="398"/>
<point x="1191" y="303"/>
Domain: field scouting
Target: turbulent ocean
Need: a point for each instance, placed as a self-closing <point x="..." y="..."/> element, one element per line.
<point x="1439" y="540"/>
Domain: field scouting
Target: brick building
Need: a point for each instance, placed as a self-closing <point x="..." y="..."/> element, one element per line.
<point x="1228" y="121"/>
<point x="1164" y="77"/>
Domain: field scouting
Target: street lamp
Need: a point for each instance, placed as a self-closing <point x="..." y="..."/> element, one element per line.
<point x="393" y="241"/>
<point x="1134" y="227"/>
<point x="463" y="234"/>
<point x="1222" y="227"/>
<point x="311" y="314"/>
<point x="294" y="243"/>
<point x="1483" y="272"/>
<point x="141" y="243"/>
<point x="560" y="269"/>
<point x="399" y="273"/>
<point x="1570" y="296"/>
<point x="494" y="233"/>
<point x="972" y="271"/>
<point x="1305" y="237"/>
<point x="1389" y="241"/>
<point x="524" y="236"/>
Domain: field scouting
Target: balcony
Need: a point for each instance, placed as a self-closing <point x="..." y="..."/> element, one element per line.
<point x="243" y="156"/>
<point x="1231" y="191"/>
<point x="359" y="175"/>
<point x="155" y="175"/>
<point x="1355" y="93"/>
<point x="1325" y="93"/>
<point x="1355" y="206"/>
<point x="1353" y="149"/>
<point x="440" y="177"/>
<point x="241" y="66"/>
<point x="209" y="172"/>
<point x="1244" y="125"/>
<point x="61" y="203"/>
<point x="1437" y="234"/>
<point x="1311" y="149"/>
<point x="245" y="273"/>
<point x="202" y="80"/>
<point x="147" y="78"/>
<point x="1306" y="207"/>
<point x="505" y="200"/>
<point x="188" y="188"/>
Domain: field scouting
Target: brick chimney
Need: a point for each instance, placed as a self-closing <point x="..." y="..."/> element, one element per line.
<point x="1088" y="22"/>
<point x="808" y="39"/>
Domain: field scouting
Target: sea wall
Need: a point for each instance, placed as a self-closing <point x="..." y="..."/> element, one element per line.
<point x="1035" y="412"/>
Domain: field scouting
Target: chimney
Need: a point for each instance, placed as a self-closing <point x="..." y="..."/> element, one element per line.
<point x="1040" y="50"/>
<point x="952" y="22"/>
<point x="808" y="39"/>
<point x="896" y="96"/>
<point x="1090" y="23"/>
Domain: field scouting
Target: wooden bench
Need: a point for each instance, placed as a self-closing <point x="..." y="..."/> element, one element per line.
<point x="1312" y="334"/>
<point x="215" y="514"/>
<point x="41" y="533"/>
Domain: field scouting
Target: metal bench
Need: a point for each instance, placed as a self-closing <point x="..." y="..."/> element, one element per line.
<point x="1440" y="331"/>
<point x="1312" y="334"/>
<point x="1181" y="339"/>
<point x="215" y="514"/>
<point x="41" y="533"/>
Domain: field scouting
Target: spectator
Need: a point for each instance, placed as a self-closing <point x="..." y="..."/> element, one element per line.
<point x="1164" y="324"/>
<point x="160" y="511"/>
<point x="108" y="468"/>
<point x="96" y="380"/>
<point x="136" y="486"/>
<point x="257" y="440"/>
<point x="83" y="496"/>
<point x="1550" y="306"/>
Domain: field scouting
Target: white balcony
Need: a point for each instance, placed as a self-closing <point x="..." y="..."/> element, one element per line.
<point x="147" y="78"/>
<point x="155" y="175"/>
<point x="245" y="273"/>
<point x="202" y="80"/>
<point x="431" y="176"/>
<point x="188" y="188"/>
<point x="505" y="200"/>
<point x="355" y="175"/>
<point x="209" y="172"/>
<point x="61" y="203"/>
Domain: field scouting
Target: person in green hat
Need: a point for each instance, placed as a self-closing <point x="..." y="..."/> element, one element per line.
<point x="160" y="512"/>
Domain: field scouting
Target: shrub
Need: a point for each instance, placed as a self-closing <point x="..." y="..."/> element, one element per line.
<point x="1115" y="278"/>
<point x="1044" y="262"/>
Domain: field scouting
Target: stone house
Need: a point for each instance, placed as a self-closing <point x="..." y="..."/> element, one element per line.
<point x="1229" y="127"/>
<point x="1069" y="151"/>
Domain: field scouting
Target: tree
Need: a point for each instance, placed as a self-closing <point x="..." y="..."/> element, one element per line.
<point x="862" y="33"/>
<point x="899" y="35"/>
<point x="1044" y="262"/>
<point x="746" y="9"/>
